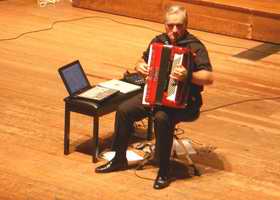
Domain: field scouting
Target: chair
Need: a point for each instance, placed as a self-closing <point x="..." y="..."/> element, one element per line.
<point x="94" y="110"/>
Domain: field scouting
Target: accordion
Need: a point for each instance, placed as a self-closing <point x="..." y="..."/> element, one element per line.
<point x="160" y="89"/>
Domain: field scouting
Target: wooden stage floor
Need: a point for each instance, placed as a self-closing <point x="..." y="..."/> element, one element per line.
<point x="241" y="111"/>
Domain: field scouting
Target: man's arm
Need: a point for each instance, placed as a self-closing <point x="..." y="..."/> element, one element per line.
<point x="201" y="77"/>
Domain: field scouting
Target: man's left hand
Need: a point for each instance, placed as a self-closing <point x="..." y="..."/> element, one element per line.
<point x="179" y="73"/>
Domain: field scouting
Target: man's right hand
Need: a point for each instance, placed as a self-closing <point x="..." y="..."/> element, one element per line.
<point x="142" y="68"/>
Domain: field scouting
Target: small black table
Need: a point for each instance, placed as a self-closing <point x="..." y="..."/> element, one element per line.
<point x="96" y="110"/>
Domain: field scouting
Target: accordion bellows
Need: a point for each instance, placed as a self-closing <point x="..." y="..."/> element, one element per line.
<point x="160" y="89"/>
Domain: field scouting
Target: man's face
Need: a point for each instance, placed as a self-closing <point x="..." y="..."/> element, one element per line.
<point x="174" y="27"/>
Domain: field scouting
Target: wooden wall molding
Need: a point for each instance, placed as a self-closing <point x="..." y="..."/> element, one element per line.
<point x="258" y="21"/>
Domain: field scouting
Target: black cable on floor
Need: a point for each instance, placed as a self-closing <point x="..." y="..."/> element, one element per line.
<point x="119" y="22"/>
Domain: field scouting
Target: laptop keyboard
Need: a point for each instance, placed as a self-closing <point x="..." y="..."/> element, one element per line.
<point x="98" y="93"/>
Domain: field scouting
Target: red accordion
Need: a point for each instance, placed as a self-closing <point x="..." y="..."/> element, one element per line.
<point x="160" y="89"/>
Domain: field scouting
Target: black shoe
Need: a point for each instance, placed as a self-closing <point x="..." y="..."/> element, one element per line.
<point x="161" y="182"/>
<point x="111" y="166"/>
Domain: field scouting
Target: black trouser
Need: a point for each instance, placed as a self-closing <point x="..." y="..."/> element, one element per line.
<point x="165" y="120"/>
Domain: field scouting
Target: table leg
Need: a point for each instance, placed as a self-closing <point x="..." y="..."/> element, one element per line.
<point x="66" y="130"/>
<point x="95" y="139"/>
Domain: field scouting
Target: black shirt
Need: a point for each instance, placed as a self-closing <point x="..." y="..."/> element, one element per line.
<point x="201" y="61"/>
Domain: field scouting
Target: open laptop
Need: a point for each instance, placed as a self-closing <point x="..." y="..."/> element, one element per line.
<point x="77" y="83"/>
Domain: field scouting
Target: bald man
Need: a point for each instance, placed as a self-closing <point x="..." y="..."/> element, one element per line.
<point x="165" y="118"/>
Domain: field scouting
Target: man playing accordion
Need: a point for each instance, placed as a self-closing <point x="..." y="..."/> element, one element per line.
<point x="165" y="118"/>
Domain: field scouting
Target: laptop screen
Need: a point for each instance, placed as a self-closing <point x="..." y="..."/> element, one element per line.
<point x="74" y="77"/>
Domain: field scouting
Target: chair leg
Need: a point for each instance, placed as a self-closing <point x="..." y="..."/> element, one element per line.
<point x="150" y="128"/>
<point x="95" y="139"/>
<point x="66" y="130"/>
<point x="195" y="170"/>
